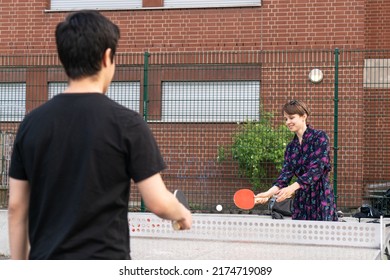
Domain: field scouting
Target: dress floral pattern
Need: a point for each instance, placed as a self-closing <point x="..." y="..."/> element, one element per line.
<point x="310" y="163"/>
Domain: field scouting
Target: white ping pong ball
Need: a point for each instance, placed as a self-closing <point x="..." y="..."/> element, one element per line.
<point x="219" y="207"/>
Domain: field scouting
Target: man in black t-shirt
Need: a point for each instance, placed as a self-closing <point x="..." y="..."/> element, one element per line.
<point x="74" y="158"/>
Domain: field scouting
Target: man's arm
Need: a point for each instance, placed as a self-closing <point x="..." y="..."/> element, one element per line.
<point x="19" y="198"/>
<point x="162" y="202"/>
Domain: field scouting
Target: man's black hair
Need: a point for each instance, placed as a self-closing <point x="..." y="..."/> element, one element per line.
<point x="82" y="39"/>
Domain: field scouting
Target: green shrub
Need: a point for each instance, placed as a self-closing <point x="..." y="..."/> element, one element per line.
<point x="258" y="147"/>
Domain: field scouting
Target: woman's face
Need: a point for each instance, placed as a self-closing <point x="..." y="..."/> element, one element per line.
<point x="295" y="122"/>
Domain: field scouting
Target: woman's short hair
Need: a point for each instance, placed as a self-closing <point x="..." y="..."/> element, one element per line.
<point x="296" y="107"/>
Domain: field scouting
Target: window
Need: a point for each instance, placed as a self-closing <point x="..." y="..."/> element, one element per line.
<point x="12" y="102"/>
<point x="125" y="93"/>
<point x="209" y="4"/>
<point x="222" y="101"/>
<point x="66" y="5"/>
<point x="60" y="5"/>
<point x="376" y="73"/>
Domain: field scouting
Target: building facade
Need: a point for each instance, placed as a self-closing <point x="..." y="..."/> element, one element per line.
<point x="260" y="52"/>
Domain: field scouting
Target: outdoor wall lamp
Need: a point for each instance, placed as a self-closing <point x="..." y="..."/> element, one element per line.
<point x="316" y="76"/>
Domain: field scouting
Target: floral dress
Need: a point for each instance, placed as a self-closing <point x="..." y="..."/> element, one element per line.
<point x="310" y="163"/>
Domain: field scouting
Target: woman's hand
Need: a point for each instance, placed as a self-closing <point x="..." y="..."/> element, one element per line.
<point x="287" y="192"/>
<point x="263" y="197"/>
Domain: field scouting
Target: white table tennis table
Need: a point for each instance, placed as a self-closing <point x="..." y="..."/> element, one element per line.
<point x="228" y="236"/>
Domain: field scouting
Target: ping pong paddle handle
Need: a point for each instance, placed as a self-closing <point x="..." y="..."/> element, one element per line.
<point x="176" y="225"/>
<point x="182" y="199"/>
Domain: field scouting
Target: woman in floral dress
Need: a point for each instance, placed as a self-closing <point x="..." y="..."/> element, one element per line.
<point x="306" y="157"/>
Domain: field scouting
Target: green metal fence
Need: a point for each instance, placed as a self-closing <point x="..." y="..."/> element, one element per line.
<point x="200" y="104"/>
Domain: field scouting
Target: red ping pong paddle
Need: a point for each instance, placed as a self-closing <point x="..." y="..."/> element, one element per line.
<point x="244" y="199"/>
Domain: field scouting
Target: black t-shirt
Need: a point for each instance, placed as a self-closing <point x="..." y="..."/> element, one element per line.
<point x="79" y="153"/>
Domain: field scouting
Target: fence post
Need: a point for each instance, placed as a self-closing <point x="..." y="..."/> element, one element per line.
<point x="146" y="86"/>
<point x="336" y="119"/>
<point x="145" y="101"/>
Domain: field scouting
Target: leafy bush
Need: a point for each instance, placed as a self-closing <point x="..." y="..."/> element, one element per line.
<point x="259" y="147"/>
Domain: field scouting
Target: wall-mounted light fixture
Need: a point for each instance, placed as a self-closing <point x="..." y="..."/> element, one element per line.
<point x="316" y="76"/>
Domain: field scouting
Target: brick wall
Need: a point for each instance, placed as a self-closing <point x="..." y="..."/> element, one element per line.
<point x="377" y="23"/>
<point x="25" y="28"/>
<point x="278" y="24"/>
